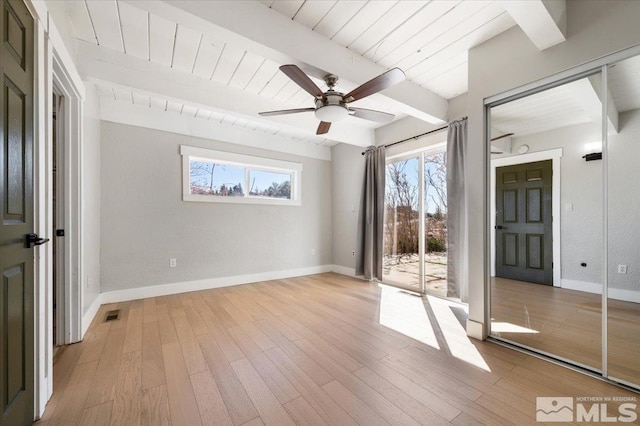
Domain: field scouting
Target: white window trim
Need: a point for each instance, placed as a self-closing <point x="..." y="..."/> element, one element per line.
<point x="256" y="163"/>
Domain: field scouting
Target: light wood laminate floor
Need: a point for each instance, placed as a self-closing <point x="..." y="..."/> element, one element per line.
<point x="568" y="324"/>
<point x="315" y="350"/>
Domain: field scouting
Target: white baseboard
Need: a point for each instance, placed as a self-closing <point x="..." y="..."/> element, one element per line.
<point x="614" y="293"/>
<point x="182" y="287"/>
<point x="585" y="286"/>
<point x="88" y="316"/>
<point x="344" y="270"/>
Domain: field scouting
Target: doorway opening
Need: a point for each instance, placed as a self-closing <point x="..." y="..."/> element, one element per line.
<point x="58" y="212"/>
<point x="523" y="214"/>
<point x="415" y="225"/>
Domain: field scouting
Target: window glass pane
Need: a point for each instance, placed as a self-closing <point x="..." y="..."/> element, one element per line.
<point x="435" y="205"/>
<point x="401" y="263"/>
<point x="208" y="178"/>
<point x="269" y="184"/>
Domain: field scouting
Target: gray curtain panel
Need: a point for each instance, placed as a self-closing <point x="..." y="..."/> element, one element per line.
<point x="369" y="260"/>
<point x="457" y="209"/>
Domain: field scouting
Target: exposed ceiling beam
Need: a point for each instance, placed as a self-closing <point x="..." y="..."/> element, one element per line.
<point x="120" y="112"/>
<point x="106" y="66"/>
<point x="586" y="92"/>
<point x="543" y="21"/>
<point x="256" y="28"/>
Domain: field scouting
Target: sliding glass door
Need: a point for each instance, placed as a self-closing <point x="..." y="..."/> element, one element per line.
<point x="435" y="220"/>
<point x="415" y="231"/>
<point x="401" y="261"/>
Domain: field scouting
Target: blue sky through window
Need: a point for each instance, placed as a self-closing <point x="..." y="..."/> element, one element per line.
<point x="203" y="172"/>
<point x="260" y="180"/>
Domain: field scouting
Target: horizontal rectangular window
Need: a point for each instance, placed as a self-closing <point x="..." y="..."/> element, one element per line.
<point x="216" y="176"/>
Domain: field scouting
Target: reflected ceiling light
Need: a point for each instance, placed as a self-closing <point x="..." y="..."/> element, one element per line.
<point x="592" y="147"/>
<point x="593" y="151"/>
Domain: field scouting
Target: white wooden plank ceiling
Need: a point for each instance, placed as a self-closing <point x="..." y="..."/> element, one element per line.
<point x="551" y="109"/>
<point x="129" y="96"/>
<point x="564" y="106"/>
<point x="429" y="40"/>
<point x="122" y="27"/>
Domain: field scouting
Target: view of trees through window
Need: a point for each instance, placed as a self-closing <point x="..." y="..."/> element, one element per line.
<point x="228" y="180"/>
<point x="280" y="186"/>
<point x="402" y="221"/>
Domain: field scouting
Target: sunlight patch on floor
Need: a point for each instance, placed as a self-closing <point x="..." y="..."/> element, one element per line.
<point x="412" y="316"/>
<point x="405" y="313"/>
<point x="507" y="327"/>
<point x="454" y="333"/>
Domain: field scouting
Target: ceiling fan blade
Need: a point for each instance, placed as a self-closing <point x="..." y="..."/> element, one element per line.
<point x="381" y="82"/>
<point x="323" y="128"/>
<point x="286" y="111"/>
<point x="369" y="114"/>
<point x="302" y="80"/>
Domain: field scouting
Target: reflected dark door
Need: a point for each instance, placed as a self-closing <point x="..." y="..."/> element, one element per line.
<point x="524" y="246"/>
<point x="16" y="210"/>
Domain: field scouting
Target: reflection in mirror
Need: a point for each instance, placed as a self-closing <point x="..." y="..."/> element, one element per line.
<point x="547" y="222"/>
<point x="623" y="313"/>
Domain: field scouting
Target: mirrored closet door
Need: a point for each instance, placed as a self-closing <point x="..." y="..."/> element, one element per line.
<point x="623" y="226"/>
<point x="547" y="222"/>
<point x="565" y="235"/>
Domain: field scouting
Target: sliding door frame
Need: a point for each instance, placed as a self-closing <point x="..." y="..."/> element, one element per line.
<point x="420" y="154"/>
<point x="594" y="67"/>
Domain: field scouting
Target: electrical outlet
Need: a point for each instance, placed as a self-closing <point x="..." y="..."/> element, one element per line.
<point x="172" y="263"/>
<point x="622" y="269"/>
<point x="313" y="252"/>
<point x="353" y="253"/>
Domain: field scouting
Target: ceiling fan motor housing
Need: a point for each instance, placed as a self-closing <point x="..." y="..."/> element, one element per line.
<point x="331" y="109"/>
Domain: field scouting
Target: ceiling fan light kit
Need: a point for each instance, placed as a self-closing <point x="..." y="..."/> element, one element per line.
<point x="332" y="109"/>
<point x="331" y="106"/>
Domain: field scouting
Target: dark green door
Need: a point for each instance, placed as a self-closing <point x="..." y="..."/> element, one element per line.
<point x="16" y="207"/>
<point x="524" y="243"/>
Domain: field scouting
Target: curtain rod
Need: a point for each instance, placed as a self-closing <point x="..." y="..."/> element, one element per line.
<point x="418" y="136"/>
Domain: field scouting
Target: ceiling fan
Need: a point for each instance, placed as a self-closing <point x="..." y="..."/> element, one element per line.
<point x="332" y="105"/>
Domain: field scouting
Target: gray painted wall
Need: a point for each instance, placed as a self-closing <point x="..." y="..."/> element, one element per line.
<point x="91" y="198"/>
<point x="594" y="29"/>
<point x="624" y="203"/>
<point x="144" y="221"/>
<point x="347" y="169"/>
